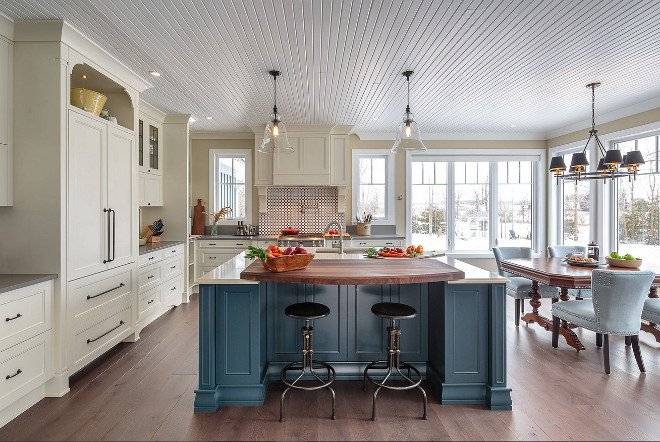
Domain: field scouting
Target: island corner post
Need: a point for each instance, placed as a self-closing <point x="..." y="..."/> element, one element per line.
<point x="457" y="340"/>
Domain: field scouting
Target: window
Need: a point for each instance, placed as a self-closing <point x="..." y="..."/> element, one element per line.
<point x="230" y="182"/>
<point x="514" y="203"/>
<point x="573" y="202"/>
<point x="638" y="203"/>
<point x="450" y="203"/>
<point x="373" y="192"/>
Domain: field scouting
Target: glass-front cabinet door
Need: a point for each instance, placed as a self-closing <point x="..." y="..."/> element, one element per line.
<point x="141" y="144"/>
<point x="154" y="164"/>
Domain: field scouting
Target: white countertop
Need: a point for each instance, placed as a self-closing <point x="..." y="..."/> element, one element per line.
<point x="230" y="271"/>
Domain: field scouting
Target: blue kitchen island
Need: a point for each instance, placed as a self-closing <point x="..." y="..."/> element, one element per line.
<point x="457" y="340"/>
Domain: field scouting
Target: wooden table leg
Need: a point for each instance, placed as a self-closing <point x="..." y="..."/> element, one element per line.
<point x="565" y="327"/>
<point x="652" y="328"/>
<point x="535" y="317"/>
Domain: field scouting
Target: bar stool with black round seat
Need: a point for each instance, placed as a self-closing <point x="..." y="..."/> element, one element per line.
<point x="394" y="312"/>
<point x="307" y="311"/>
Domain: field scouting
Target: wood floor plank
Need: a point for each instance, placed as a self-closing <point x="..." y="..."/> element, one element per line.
<point x="144" y="391"/>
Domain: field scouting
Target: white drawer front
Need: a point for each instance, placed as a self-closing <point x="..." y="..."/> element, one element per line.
<point x="226" y="243"/>
<point x="172" y="290"/>
<point x="25" y="313"/>
<point x="149" y="276"/>
<point x="262" y="244"/>
<point x="93" y="340"/>
<point x="172" y="266"/>
<point x="173" y="251"/>
<point x="202" y="270"/>
<point x="25" y="366"/>
<point x="97" y="290"/>
<point x="149" y="302"/>
<point x="214" y="259"/>
<point x="151" y="257"/>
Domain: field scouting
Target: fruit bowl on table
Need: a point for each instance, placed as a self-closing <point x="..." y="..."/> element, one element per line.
<point x="624" y="263"/>
<point x="287" y="263"/>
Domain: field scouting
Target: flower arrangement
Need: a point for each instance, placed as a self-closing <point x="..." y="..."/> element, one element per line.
<point x="217" y="216"/>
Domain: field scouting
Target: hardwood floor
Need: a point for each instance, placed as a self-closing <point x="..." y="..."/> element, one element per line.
<point x="144" y="391"/>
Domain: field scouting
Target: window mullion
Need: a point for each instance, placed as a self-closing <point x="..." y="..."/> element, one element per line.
<point x="451" y="207"/>
<point x="493" y="201"/>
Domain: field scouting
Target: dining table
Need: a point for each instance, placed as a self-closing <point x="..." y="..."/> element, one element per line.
<point x="555" y="272"/>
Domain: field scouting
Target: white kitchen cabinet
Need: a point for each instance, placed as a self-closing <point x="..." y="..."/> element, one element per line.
<point x="101" y="210"/>
<point x="377" y="243"/>
<point x="340" y="165"/>
<point x="151" y="189"/>
<point x="6" y="110"/>
<point x="263" y="166"/>
<point x="307" y="165"/>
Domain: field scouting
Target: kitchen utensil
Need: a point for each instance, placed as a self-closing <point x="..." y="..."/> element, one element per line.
<point x="624" y="263"/>
<point x="157" y="226"/>
<point x="198" y="219"/>
<point x="290" y="231"/>
<point x="287" y="263"/>
<point x="593" y="251"/>
<point x="88" y="100"/>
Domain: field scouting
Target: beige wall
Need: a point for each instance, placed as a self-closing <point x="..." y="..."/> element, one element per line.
<point x="199" y="170"/>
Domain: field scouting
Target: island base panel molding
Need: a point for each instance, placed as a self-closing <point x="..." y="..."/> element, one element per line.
<point x="244" y="340"/>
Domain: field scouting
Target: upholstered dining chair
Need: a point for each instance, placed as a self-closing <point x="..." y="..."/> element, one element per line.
<point x="520" y="288"/>
<point x="562" y="251"/>
<point x="651" y="310"/>
<point x="614" y="309"/>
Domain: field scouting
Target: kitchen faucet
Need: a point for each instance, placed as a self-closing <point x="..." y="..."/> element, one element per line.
<point x="341" y="235"/>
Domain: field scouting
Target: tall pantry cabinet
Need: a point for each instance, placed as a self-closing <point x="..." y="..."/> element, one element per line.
<point x="75" y="210"/>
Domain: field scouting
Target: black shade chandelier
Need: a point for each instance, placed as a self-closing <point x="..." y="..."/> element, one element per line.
<point x="610" y="165"/>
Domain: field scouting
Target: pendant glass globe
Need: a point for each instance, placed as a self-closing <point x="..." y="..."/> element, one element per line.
<point x="275" y="137"/>
<point x="408" y="136"/>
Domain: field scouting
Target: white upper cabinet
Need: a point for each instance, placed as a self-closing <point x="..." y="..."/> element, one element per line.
<point x="101" y="232"/>
<point x="150" y="149"/>
<point x="307" y="165"/>
<point x="340" y="165"/>
<point x="6" y="148"/>
<point x="263" y="166"/>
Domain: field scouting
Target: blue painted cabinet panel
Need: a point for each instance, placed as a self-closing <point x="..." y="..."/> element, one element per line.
<point x="368" y="332"/>
<point x="284" y="336"/>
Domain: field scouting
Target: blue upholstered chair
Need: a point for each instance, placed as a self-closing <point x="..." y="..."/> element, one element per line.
<point x="562" y="251"/>
<point x="651" y="310"/>
<point x="614" y="309"/>
<point x="520" y="288"/>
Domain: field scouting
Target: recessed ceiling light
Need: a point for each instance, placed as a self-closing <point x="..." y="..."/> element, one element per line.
<point x="375" y="118"/>
<point x="84" y="76"/>
<point x="513" y="125"/>
<point x="208" y="117"/>
<point x="191" y="120"/>
<point x="155" y="73"/>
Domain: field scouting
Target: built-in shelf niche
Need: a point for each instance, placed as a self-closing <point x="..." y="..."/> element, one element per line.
<point x="119" y="102"/>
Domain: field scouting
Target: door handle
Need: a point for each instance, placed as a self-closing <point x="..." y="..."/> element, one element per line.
<point x="114" y="233"/>
<point x="105" y="261"/>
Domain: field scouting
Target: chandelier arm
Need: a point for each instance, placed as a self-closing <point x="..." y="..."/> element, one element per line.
<point x="584" y="150"/>
<point x="600" y="146"/>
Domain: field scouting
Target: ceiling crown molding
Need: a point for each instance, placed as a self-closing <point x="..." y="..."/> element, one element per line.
<point x="383" y="136"/>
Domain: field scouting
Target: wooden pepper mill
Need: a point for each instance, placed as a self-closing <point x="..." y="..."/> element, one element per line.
<point x="198" y="219"/>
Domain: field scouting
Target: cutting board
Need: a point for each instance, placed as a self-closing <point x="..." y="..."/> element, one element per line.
<point x="198" y="219"/>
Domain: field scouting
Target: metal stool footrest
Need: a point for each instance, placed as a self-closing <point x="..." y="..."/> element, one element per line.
<point x="411" y="383"/>
<point x="318" y="364"/>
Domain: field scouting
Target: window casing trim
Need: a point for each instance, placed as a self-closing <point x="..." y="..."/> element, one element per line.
<point x="389" y="182"/>
<point x="214" y="154"/>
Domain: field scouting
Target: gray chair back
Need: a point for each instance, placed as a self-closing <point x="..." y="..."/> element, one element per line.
<point x="618" y="298"/>
<point x="502" y="253"/>
<point x="561" y="251"/>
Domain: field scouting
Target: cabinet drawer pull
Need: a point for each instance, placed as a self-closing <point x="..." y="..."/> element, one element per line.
<point x="149" y="302"/>
<point x="239" y="244"/>
<point x="89" y="341"/>
<point x="107" y="291"/>
<point x="150" y="276"/>
<point x="9" y="376"/>
<point x="172" y="289"/>
<point x="212" y="257"/>
<point x="151" y="257"/>
<point x="173" y="267"/>
<point x="18" y="315"/>
<point x="212" y="244"/>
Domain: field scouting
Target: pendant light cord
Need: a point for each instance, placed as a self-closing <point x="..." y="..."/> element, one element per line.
<point x="593" y="106"/>
<point x="275" y="97"/>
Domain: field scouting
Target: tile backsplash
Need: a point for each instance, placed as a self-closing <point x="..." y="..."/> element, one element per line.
<point x="309" y="209"/>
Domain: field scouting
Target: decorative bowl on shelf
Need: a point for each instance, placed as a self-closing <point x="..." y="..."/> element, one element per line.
<point x="88" y="100"/>
<point x="287" y="263"/>
<point x="624" y="263"/>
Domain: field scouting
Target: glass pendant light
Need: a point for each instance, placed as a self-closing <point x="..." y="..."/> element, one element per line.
<point x="407" y="134"/>
<point x="275" y="138"/>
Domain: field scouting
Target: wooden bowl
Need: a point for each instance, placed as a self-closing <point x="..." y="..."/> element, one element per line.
<point x="287" y="263"/>
<point x="88" y="100"/>
<point x="624" y="263"/>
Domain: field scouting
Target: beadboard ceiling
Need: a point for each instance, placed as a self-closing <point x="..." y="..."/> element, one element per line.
<point x="480" y="66"/>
